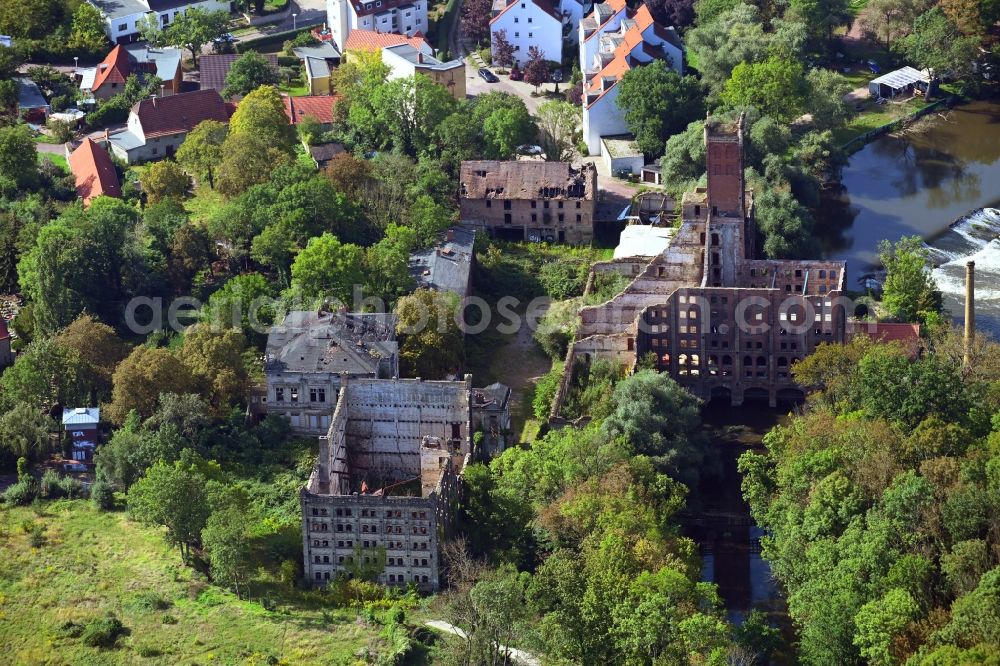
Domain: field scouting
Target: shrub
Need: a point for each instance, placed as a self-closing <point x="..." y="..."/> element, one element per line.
<point x="21" y="493"/>
<point x="49" y="487"/>
<point x="149" y="651"/>
<point x="102" y="495"/>
<point x="545" y="391"/>
<point x="60" y="130"/>
<point x="71" y="487"/>
<point x="37" y="537"/>
<point x="104" y="632"/>
<point x="563" y="279"/>
<point x="149" y="601"/>
<point x="69" y="629"/>
<point x="169" y="619"/>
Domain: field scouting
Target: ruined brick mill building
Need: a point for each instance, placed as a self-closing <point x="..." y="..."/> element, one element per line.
<point x="309" y="353"/>
<point x="722" y="322"/>
<point x="382" y="498"/>
<point x="529" y="200"/>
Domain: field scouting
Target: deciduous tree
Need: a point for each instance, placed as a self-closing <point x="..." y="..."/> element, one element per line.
<point x="175" y="497"/>
<point x="139" y="380"/>
<point x="164" y="179"/>
<point x="432" y="342"/>
<point x="658" y="103"/>
<point x="909" y="292"/>
<point x="201" y="152"/>
<point x="247" y="73"/>
<point x="536" y="70"/>
<point x="776" y="87"/>
<point x="328" y="267"/>
<point x="558" y="124"/>
<point x="503" y="50"/>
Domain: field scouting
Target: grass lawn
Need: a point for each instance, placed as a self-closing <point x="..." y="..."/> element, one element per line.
<point x="295" y="87"/>
<point x="93" y="563"/>
<point x="204" y="204"/>
<point x="45" y="138"/>
<point x="57" y="159"/>
<point x="873" y="117"/>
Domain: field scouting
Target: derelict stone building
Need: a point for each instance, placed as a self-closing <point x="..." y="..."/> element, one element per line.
<point x="382" y="497"/>
<point x="722" y="322"/>
<point x="309" y="353"/>
<point x="528" y="200"/>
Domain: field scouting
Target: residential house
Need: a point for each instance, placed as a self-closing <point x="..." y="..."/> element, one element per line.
<point x="529" y="23"/>
<point x="370" y="41"/>
<point x="122" y="18"/>
<point x="93" y="171"/>
<point x="613" y="40"/>
<point x="403" y="17"/>
<point x="323" y="153"/>
<point x="80" y="424"/>
<point x="109" y="76"/>
<point x="319" y="107"/>
<point x="318" y="62"/>
<point x="384" y="493"/>
<point x="405" y="60"/>
<point x="158" y="126"/>
<point x="310" y="354"/>
<point x="446" y="266"/>
<point x="535" y="201"/>
<point x="31" y="104"/>
<point x="214" y="68"/>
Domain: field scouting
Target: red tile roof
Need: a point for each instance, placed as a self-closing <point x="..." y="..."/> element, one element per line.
<point x="319" y="107"/>
<point x="621" y="62"/>
<point x="113" y="69"/>
<point x="371" y="40"/>
<point x="616" y="6"/>
<point x="179" y="113"/>
<point x="95" y="174"/>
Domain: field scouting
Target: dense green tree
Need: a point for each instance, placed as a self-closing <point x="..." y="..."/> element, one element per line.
<point x="432" y="344"/>
<point x="31" y="19"/>
<point x="193" y="29"/>
<point x="776" y="87"/>
<point x="201" y="153"/>
<point x="18" y="161"/>
<point x="99" y="350"/>
<point x="657" y="103"/>
<point x="658" y="418"/>
<point x="785" y="226"/>
<point x="215" y="359"/>
<point x="822" y="16"/>
<point x="262" y="114"/>
<point x="684" y="160"/>
<point x="175" y="497"/>
<point x="879" y="622"/>
<point x="87" y="33"/>
<point x="558" y="125"/>
<point x="225" y="537"/>
<point x="248" y="159"/>
<point x="45" y="374"/>
<point x="735" y="36"/>
<point x="938" y="46"/>
<point x="909" y="292"/>
<point x="25" y="432"/>
<point x="247" y="73"/>
<point x="246" y="302"/>
<point x="164" y="179"/>
<point x="328" y="267"/>
<point x="139" y="380"/>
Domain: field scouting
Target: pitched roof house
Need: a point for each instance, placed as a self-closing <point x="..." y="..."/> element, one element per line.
<point x="613" y="40"/>
<point x="405" y="60"/>
<point x="528" y="23"/>
<point x="215" y="67"/>
<point x="403" y="17"/>
<point x="319" y="107"/>
<point x="94" y="173"/>
<point x="158" y="126"/>
<point x="370" y="40"/>
<point x="109" y="76"/>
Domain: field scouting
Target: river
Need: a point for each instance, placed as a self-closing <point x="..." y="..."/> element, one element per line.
<point x="940" y="180"/>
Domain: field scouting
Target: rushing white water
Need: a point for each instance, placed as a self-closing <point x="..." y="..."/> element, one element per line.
<point x="975" y="237"/>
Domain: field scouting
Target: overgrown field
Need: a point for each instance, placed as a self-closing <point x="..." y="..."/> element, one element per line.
<point x="87" y="564"/>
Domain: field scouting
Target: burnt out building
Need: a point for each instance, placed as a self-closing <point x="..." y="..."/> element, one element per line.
<point x="724" y="323"/>
<point x="529" y="200"/>
<point x="383" y="495"/>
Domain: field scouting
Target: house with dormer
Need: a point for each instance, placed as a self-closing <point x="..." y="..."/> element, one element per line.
<point x="613" y="40"/>
<point x="109" y="76"/>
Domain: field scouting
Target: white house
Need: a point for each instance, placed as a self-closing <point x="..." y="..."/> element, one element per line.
<point x="404" y="61"/>
<point x="529" y="23"/>
<point x="613" y="40"/>
<point x="404" y="17"/>
<point x="122" y="17"/>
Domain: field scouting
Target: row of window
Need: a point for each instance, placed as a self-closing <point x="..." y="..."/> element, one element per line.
<point x="370" y="513"/>
<point x="390" y="545"/>
<point x="534" y="204"/>
<point x="394" y="578"/>
<point x="315" y="394"/>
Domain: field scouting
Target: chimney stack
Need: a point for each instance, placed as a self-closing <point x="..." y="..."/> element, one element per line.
<point x="970" y="309"/>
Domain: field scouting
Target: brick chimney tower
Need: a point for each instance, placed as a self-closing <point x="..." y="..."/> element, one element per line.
<point x="724" y="162"/>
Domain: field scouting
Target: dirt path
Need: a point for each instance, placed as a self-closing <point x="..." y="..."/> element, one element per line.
<point x="519" y="364"/>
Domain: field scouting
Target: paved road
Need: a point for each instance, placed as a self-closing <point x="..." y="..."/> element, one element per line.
<point x="518" y="656"/>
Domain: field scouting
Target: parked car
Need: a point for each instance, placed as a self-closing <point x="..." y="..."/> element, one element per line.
<point x="487" y="75"/>
<point x="516" y="74"/>
<point x="873" y="66"/>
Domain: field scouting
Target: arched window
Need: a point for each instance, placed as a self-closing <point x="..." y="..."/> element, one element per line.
<point x="782" y="362"/>
<point x="761" y="360"/>
<point x="747" y="360"/>
<point x="695" y="359"/>
<point x="682" y="359"/>
<point x="727" y="360"/>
